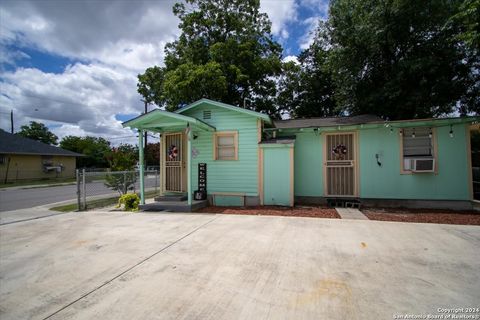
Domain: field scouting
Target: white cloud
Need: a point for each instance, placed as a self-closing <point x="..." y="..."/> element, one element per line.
<point x="291" y="59"/>
<point x="110" y="42"/>
<point x="84" y="98"/>
<point x="306" y="40"/>
<point x="280" y="12"/>
<point x="131" y="32"/>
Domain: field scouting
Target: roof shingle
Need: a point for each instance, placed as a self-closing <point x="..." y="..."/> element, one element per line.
<point x="16" y="144"/>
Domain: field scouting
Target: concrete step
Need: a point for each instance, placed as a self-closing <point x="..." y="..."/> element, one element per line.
<point x="173" y="206"/>
<point x="172" y="197"/>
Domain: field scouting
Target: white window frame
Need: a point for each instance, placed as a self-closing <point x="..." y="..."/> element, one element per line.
<point x="403" y="157"/>
<point x="218" y="134"/>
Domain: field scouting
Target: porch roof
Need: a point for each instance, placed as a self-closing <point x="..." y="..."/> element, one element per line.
<point x="163" y="121"/>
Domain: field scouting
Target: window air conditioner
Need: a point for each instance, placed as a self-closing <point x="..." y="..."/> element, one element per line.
<point x="423" y="165"/>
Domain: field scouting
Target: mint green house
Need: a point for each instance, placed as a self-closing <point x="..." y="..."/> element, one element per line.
<point x="226" y="155"/>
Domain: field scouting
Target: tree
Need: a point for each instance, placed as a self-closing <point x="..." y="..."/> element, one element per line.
<point x="225" y="52"/>
<point x="122" y="158"/>
<point x="307" y="88"/>
<point x="38" y="131"/>
<point x="398" y="58"/>
<point x="149" y="85"/>
<point x="152" y="154"/>
<point x="95" y="150"/>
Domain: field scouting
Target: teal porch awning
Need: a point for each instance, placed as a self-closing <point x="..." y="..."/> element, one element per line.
<point x="164" y="121"/>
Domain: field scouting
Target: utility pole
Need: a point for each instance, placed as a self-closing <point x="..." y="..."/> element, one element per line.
<point x="11" y="120"/>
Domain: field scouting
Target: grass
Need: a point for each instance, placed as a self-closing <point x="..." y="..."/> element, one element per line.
<point x="49" y="182"/>
<point x="97" y="203"/>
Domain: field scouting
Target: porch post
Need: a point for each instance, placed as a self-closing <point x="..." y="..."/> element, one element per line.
<point x="189" y="167"/>
<point x="141" y="168"/>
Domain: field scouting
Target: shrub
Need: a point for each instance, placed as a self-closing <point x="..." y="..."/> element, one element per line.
<point x="130" y="201"/>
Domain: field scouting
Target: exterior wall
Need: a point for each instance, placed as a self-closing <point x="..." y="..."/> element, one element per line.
<point x="451" y="181"/>
<point x="226" y="176"/>
<point x="278" y="177"/>
<point x="308" y="165"/>
<point x="29" y="167"/>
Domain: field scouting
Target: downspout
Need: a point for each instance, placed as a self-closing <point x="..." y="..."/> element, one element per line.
<point x="141" y="168"/>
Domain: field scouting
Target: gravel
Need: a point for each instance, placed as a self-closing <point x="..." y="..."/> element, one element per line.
<point x="424" y="216"/>
<point x="300" y="211"/>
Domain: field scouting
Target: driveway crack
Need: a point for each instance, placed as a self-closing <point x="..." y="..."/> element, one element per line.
<point x="131" y="268"/>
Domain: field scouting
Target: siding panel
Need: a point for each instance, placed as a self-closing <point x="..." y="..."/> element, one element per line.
<point x="239" y="176"/>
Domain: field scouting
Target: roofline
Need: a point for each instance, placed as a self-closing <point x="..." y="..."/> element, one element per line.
<point x="44" y="154"/>
<point x="262" y="116"/>
<point x="131" y="123"/>
<point x="427" y="121"/>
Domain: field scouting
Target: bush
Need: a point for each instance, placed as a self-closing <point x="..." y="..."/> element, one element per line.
<point x="130" y="201"/>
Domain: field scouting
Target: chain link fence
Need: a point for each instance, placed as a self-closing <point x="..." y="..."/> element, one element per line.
<point x="94" y="185"/>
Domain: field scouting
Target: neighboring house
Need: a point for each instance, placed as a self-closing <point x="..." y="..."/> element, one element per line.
<point x="251" y="159"/>
<point x="26" y="159"/>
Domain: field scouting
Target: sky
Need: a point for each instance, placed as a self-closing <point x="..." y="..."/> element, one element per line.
<point x="73" y="64"/>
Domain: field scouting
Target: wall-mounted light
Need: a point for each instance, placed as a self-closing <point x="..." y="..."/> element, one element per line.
<point x="315" y="130"/>
<point x="430" y="133"/>
<point x="400" y="132"/>
<point x="377" y="156"/>
<point x="413" y="133"/>
<point x="391" y="130"/>
<point x="195" y="137"/>
<point x="451" y="131"/>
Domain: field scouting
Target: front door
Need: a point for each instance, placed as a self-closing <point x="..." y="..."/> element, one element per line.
<point x="340" y="165"/>
<point x="174" y="150"/>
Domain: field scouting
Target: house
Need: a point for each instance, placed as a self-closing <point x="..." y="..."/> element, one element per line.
<point x="241" y="157"/>
<point x="27" y="159"/>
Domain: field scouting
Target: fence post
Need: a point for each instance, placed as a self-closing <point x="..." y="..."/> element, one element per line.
<point x="84" y="190"/>
<point x="125" y="183"/>
<point x="157" y="175"/>
<point x="79" y="201"/>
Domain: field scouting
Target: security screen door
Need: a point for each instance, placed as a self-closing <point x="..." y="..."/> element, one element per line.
<point x="340" y="164"/>
<point x="174" y="162"/>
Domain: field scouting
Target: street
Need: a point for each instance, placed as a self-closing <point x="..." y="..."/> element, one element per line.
<point x="16" y="198"/>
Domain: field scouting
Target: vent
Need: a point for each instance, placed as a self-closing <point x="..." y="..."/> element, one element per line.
<point x="207" y="114"/>
<point x="420" y="164"/>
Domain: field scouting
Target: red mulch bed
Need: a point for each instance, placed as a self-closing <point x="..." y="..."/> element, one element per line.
<point x="423" y="216"/>
<point x="313" y="212"/>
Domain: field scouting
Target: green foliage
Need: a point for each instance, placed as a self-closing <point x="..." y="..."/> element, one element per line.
<point x="225" y="52"/>
<point x="395" y="58"/>
<point x="468" y="20"/>
<point x="150" y="84"/>
<point x="130" y="201"/>
<point x="122" y="158"/>
<point x="398" y="59"/>
<point x="307" y="88"/>
<point x="152" y="154"/>
<point x="94" y="149"/>
<point x="38" y="131"/>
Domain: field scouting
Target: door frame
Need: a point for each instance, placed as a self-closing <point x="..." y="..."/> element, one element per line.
<point x="356" y="162"/>
<point x="163" y="161"/>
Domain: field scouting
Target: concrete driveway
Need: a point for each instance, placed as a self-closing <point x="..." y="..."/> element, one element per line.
<point x="177" y="266"/>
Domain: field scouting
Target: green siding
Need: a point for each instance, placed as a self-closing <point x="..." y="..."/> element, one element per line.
<point x="451" y="182"/>
<point x="276" y="176"/>
<point x="240" y="175"/>
<point x="226" y="201"/>
<point x="308" y="165"/>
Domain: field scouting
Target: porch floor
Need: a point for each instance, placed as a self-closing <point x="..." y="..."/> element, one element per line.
<point x="173" y="206"/>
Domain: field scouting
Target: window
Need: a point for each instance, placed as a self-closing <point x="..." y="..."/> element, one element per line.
<point x="417" y="147"/>
<point x="226" y="146"/>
